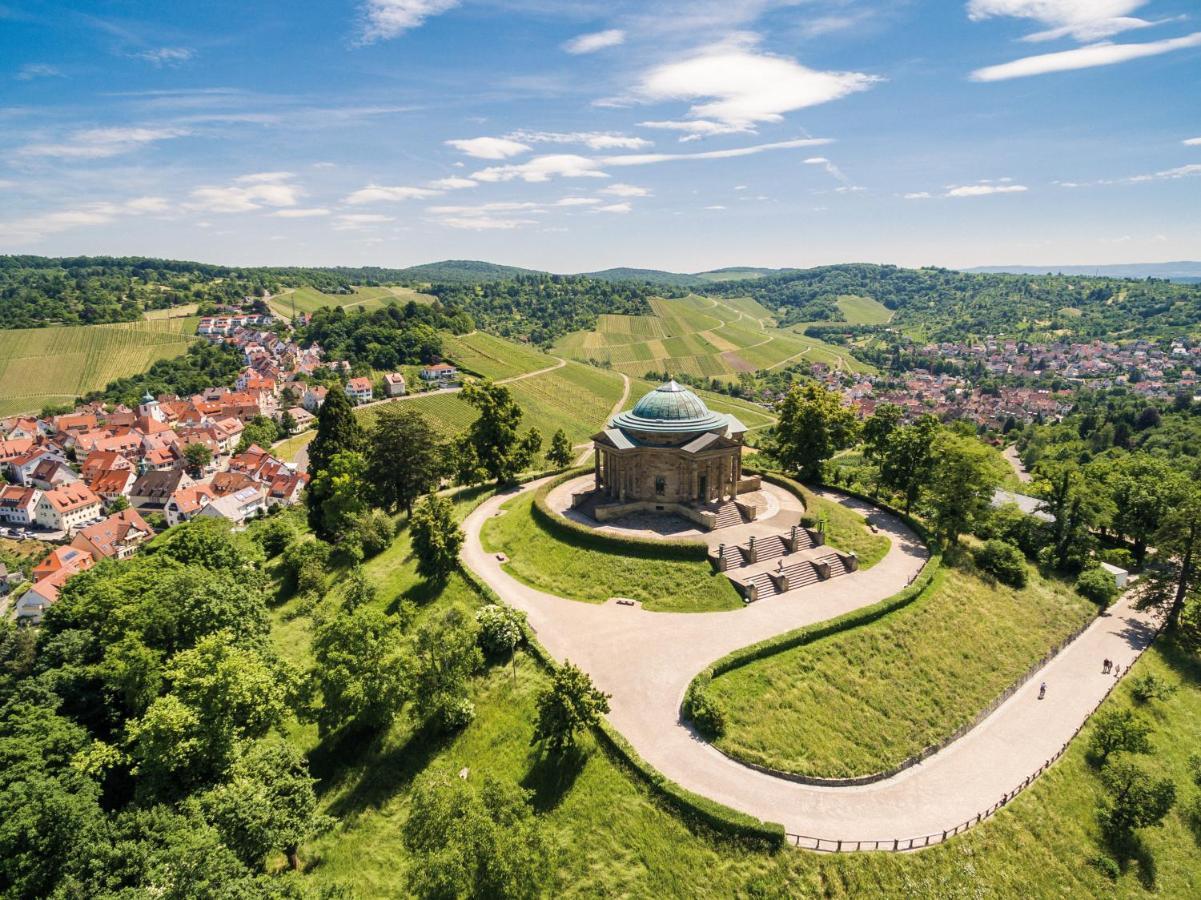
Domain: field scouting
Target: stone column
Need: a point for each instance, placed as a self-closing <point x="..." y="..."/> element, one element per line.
<point x="596" y="468"/>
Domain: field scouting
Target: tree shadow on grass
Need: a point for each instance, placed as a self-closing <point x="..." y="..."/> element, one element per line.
<point x="552" y="775"/>
<point x="1181" y="660"/>
<point x="1131" y="849"/>
<point x="422" y="593"/>
<point x="374" y="773"/>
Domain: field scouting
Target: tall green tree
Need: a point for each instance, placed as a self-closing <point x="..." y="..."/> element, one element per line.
<point x="560" y="453"/>
<point x="339" y="495"/>
<point x="877" y="429"/>
<point x="260" y="431"/>
<point x="436" y="537"/>
<point x="358" y="673"/>
<point x="961" y="484"/>
<point x="338" y="431"/>
<point x="445" y="656"/>
<point x="1070" y="496"/>
<point x="268" y="803"/>
<point x="1176" y="580"/>
<point x="474" y="842"/>
<point x="906" y="458"/>
<point x="813" y="426"/>
<point x="1143" y="491"/>
<point x="198" y="456"/>
<point x="568" y="705"/>
<point x="405" y="458"/>
<point x="492" y="448"/>
<point x="1136" y="799"/>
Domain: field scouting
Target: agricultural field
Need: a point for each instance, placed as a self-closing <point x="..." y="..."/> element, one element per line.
<point x="56" y="365"/>
<point x="863" y="700"/>
<point x="864" y="310"/>
<point x="699" y="336"/>
<point x="493" y="357"/>
<point x="309" y="299"/>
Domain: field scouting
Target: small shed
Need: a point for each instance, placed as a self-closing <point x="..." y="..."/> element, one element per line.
<point x="1120" y="575"/>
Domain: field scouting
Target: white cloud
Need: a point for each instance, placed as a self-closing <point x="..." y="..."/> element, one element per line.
<point x="489" y="147"/>
<point x="578" y="201"/>
<point x="543" y="168"/>
<point x="384" y="19"/>
<point x="101" y="143"/>
<point x="247" y="193"/>
<point x="482" y="208"/>
<point x="356" y="221"/>
<point x="619" y="208"/>
<point x="593" y="140"/>
<point x="495" y="216"/>
<point x="308" y="213"/>
<point x="642" y="159"/>
<point x="485" y="223"/>
<point x="832" y="170"/>
<point x="715" y="206"/>
<point x="1166" y="175"/>
<point x="33" y="228"/>
<point x="166" y="56"/>
<point x="1103" y="54"/>
<point x="739" y="88"/>
<point x="597" y="40"/>
<point x="1084" y="20"/>
<point x="378" y="193"/>
<point x="1193" y="142"/>
<point x="625" y="190"/>
<point x="30" y="71"/>
<point x="983" y="189"/>
<point x="918" y="195"/>
<point x="695" y="129"/>
<point x="453" y="183"/>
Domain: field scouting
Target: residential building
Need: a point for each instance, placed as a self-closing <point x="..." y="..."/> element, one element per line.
<point x="18" y="504"/>
<point x="186" y="502"/>
<point x="237" y="507"/>
<point x="67" y="507"/>
<point x="154" y="488"/>
<point x="440" y="372"/>
<point x="314" y="397"/>
<point x="359" y="390"/>
<point x="394" y="384"/>
<point x="117" y="537"/>
<point x="75" y="559"/>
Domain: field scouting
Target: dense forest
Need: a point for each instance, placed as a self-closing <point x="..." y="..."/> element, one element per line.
<point x="204" y="365"/>
<point x="949" y="305"/>
<point x="384" y="338"/>
<point x="540" y="308"/>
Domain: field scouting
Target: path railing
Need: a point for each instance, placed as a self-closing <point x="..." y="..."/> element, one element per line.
<point x="829" y="845"/>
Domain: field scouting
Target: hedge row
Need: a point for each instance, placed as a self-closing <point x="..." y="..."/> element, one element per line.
<point x="608" y="542"/>
<point x="692" y="807"/>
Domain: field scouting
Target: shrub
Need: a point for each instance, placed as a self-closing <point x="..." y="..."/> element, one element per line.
<point x="1118" y="731"/>
<point x="373" y="531"/>
<point x="1117" y="556"/>
<point x="706" y="713"/>
<point x="1107" y="866"/>
<point x="304" y="565"/>
<point x="275" y="536"/>
<point x="1097" y="585"/>
<point x="1149" y="686"/>
<point x="500" y="629"/>
<point x="1009" y="523"/>
<point x="1003" y="561"/>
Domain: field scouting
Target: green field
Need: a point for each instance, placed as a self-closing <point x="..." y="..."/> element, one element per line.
<point x="699" y="336"/>
<point x="492" y="357"/>
<point x="309" y="299"/>
<point x="614" y="838"/>
<point x="864" y="310"/>
<point x="565" y="569"/>
<point x="56" y="365"/>
<point x="863" y="700"/>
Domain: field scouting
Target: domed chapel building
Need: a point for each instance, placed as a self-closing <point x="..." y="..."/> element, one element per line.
<point x="671" y="454"/>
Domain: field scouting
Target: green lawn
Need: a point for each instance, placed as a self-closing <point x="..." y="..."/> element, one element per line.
<point x="847" y="530"/>
<point x="548" y="563"/>
<point x="864" y="700"/>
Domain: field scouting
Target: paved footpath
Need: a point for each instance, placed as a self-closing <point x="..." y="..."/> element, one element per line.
<point x="647" y="659"/>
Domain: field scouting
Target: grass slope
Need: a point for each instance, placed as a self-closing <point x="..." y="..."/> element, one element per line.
<point x="551" y="564"/>
<point x="615" y="839"/>
<point x="864" y="700"/>
<point x="493" y="357"/>
<point x="863" y="310"/>
<point x="56" y="365"/>
<point x="309" y="299"/>
<point x="699" y="336"/>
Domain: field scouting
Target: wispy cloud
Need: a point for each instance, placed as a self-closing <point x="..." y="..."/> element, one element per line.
<point x="593" y="140"/>
<point x="832" y="170"/>
<point x="359" y="221"/>
<point x="247" y="193"/>
<point x="30" y="71"/>
<point x="1187" y="171"/>
<point x="379" y="193"/>
<point x="618" y="208"/>
<point x="100" y="143"/>
<point x="489" y="147"/>
<point x="597" y="40"/>
<point x="985" y="188"/>
<point x="308" y="213"/>
<point x="625" y="190"/>
<point x="1084" y="20"/>
<point x="1192" y="142"/>
<point x="453" y="183"/>
<point x="167" y="56"/>
<point x="1103" y="54"/>
<point x="737" y="87"/>
<point x="384" y="19"/>
<point x="917" y="195"/>
<point x="33" y="228"/>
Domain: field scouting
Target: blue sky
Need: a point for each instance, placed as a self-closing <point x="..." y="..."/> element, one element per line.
<point x="573" y="135"/>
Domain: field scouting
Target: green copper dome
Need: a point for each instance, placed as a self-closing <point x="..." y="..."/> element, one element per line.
<point x="669" y="409"/>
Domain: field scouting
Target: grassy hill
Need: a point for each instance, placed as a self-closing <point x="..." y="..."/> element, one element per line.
<point x="863" y="310"/>
<point x="699" y="336"/>
<point x="55" y="365"/>
<point x="650" y="276"/>
<point x="462" y="271"/>
<point x="309" y="299"/>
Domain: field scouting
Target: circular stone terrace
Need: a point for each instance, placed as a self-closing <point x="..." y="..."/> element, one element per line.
<point x="777" y="510"/>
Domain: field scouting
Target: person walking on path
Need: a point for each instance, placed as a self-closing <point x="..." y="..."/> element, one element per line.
<point x="1106" y="667"/>
<point x="1042" y="690"/>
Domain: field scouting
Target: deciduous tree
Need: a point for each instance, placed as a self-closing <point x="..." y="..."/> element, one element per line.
<point x="560" y="453"/>
<point x="492" y="448"/>
<point x="813" y="426"/>
<point x="358" y="671"/>
<point x="569" y="704"/>
<point x="961" y="484"/>
<point x="436" y="536"/>
<point x="405" y="458"/>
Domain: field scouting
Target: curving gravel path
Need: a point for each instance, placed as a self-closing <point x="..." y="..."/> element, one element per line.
<point x="647" y="659"/>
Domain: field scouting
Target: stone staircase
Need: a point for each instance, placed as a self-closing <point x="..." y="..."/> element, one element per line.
<point x="837" y="566"/>
<point x="765" y="586"/>
<point x="801" y="575"/>
<point x="770" y="547"/>
<point x="733" y="556"/>
<point x="727" y="514"/>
